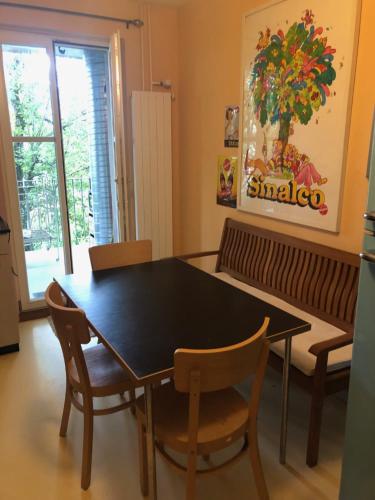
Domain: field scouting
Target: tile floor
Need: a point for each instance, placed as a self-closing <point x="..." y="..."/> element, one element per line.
<point x="35" y="464"/>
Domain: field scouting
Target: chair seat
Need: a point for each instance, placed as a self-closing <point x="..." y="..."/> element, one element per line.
<point x="223" y="418"/>
<point x="320" y="330"/>
<point x="107" y="377"/>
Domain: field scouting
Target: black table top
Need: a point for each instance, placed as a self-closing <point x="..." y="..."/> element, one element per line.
<point x="146" y="311"/>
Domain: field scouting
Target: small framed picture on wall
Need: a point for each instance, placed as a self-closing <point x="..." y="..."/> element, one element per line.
<point x="231" y="128"/>
<point x="226" y="189"/>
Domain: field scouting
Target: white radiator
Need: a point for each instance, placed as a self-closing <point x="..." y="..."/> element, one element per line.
<point x="152" y="154"/>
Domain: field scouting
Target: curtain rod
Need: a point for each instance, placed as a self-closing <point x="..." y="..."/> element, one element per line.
<point x="138" y="23"/>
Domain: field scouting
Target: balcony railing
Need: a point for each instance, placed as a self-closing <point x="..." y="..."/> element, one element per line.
<point x="40" y="211"/>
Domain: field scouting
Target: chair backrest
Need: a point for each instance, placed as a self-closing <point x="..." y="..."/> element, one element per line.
<point x="72" y="330"/>
<point x="322" y="281"/>
<point x="220" y="368"/>
<point x="120" y="254"/>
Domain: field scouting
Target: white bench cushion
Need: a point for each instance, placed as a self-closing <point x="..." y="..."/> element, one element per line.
<point x="320" y="330"/>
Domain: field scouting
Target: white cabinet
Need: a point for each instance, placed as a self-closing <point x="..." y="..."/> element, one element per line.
<point x="9" y="336"/>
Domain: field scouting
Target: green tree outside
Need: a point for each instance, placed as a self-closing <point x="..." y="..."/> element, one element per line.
<point x="30" y="113"/>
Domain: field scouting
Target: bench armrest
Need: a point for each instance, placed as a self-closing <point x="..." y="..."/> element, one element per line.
<point x="197" y="255"/>
<point x="331" y="344"/>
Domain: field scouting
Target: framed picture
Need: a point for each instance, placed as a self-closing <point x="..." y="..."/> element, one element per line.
<point x="231" y="126"/>
<point x="298" y="68"/>
<point x="226" y="186"/>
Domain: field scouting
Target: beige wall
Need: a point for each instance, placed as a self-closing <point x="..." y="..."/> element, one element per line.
<point x="160" y="28"/>
<point x="198" y="47"/>
<point x="210" y="51"/>
<point x="165" y="65"/>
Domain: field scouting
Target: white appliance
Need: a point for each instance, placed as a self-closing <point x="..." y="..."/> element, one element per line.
<point x="358" y="478"/>
<point x="9" y="336"/>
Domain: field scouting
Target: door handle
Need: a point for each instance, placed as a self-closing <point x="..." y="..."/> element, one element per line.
<point x="369" y="257"/>
<point x="369" y="216"/>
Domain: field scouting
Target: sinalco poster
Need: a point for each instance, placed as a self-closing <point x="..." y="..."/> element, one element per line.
<point x="298" y="61"/>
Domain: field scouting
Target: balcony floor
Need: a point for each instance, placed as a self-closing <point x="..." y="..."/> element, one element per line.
<point x="44" y="265"/>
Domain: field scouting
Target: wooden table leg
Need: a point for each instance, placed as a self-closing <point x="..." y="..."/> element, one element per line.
<point x="285" y="400"/>
<point x="150" y="443"/>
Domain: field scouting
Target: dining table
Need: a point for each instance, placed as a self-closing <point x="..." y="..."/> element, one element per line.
<point x="142" y="313"/>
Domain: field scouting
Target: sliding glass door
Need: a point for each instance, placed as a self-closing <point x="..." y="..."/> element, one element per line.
<point x="58" y="136"/>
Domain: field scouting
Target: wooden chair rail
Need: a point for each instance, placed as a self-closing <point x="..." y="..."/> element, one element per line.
<point x="319" y="280"/>
<point x="120" y="254"/>
<point x="196" y="255"/>
<point x="102" y="411"/>
<point x="331" y="344"/>
<point x="181" y="468"/>
<point x="311" y="246"/>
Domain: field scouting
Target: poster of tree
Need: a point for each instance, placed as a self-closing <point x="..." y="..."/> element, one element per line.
<point x="298" y="60"/>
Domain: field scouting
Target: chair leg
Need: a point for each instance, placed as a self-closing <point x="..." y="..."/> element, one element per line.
<point x="191" y="473"/>
<point x="87" y="442"/>
<point x="132" y="397"/>
<point x="256" y="463"/>
<point x="316" y="411"/>
<point x="317" y="400"/>
<point x="66" y="413"/>
<point x="142" y="454"/>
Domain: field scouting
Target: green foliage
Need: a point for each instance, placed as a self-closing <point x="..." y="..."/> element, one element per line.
<point x="30" y="113"/>
<point x="30" y="109"/>
<point x="291" y="74"/>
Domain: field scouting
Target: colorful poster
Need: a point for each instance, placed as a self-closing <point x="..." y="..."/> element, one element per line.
<point x="298" y="66"/>
<point x="226" y="189"/>
<point x="232" y="125"/>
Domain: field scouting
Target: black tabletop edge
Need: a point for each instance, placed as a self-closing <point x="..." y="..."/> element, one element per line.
<point x="290" y="333"/>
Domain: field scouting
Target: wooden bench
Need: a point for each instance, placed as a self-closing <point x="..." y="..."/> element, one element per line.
<point x="316" y="279"/>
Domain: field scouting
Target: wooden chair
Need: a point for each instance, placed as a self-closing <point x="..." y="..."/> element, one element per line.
<point x="90" y="373"/>
<point x="120" y="254"/>
<point x="203" y="413"/>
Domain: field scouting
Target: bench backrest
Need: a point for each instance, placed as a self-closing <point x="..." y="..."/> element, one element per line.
<point x="321" y="280"/>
